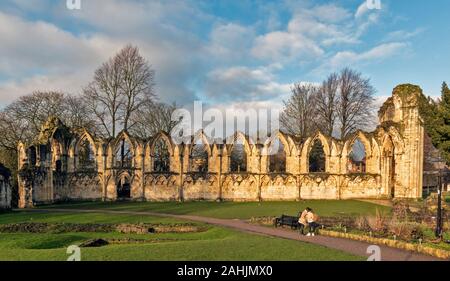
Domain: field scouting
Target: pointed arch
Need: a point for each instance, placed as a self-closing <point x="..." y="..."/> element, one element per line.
<point x="361" y="136"/>
<point x="357" y="149"/>
<point x="32" y="156"/>
<point x="276" y="150"/>
<point x="310" y="142"/>
<point x="161" y="152"/>
<point x="317" y="158"/>
<point x="202" y="139"/>
<point x="123" y="186"/>
<point x="158" y="137"/>
<point x="239" y="136"/>
<point x="388" y="163"/>
<point x="123" y="150"/>
<point x="397" y="139"/>
<point x="273" y="138"/>
<point x="84" y="136"/>
<point x="199" y="153"/>
<point x="238" y="151"/>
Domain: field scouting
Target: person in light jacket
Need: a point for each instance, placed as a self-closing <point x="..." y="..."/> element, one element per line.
<point x="302" y="221"/>
<point x="311" y="219"/>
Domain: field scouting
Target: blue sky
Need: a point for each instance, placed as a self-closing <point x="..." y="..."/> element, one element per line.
<point x="225" y="53"/>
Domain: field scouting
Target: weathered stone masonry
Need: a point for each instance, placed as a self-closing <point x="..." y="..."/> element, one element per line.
<point x="5" y="188"/>
<point x="51" y="169"/>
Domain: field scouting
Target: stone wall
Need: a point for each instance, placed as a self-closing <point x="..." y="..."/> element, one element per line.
<point x="52" y="169"/>
<point x="5" y="188"/>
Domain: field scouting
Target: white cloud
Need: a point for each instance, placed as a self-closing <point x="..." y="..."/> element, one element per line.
<point x="377" y="53"/>
<point x="33" y="45"/>
<point x="230" y="41"/>
<point x="244" y="83"/>
<point x="285" y="46"/>
<point x="49" y="57"/>
<point x="403" y="34"/>
<point x="310" y="32"/>
<point x="331" y="13"/>
<point x="191" y="51"/>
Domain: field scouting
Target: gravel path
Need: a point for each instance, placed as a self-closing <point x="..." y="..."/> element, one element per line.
<point x="350" y="246"/>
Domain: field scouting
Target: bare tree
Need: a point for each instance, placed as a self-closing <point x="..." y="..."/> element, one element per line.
<point x="104" y="98"/>
<point x="298" y="115"/>
<point x="35" y="109"/>
<point x="120" y="87"/>
<point x="76" y="113"/>
<point x="22" y="119"/>
<point x="354" y="107"/>
<point x="137" y="82"/>
<point x="152" y="118"/>
<point x="325" y="101"/>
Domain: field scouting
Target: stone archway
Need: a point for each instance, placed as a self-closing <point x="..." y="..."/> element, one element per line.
<point x="123" y="188"/>
<point x="388" y="167"/>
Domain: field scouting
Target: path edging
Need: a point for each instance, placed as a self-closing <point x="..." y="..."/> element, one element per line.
<point x="438" y="253"/>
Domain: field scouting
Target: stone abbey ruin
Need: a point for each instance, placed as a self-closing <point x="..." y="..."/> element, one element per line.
<point x="63" y="164"/>
<point x="5" y="188"/>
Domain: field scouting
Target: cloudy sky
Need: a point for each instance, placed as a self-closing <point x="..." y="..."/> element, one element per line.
<point x="226" y="52"/>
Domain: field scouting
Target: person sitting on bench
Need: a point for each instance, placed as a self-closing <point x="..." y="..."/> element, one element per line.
<point x="302" y="221"/>
<point x="311" y="219"/>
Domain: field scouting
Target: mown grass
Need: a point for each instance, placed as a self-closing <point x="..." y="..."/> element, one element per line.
<point x="236" y="210"/>
<point x="214" y="244"/>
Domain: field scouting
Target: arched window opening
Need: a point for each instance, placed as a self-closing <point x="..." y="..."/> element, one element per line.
<point x="357" y="158"/>
<point x="124" y="155"/>
<point x="43" y="153"/>
<point x="388" y="164"/>
<point x="317" y="158"/>
<point x="32" y="156"/>
<point x="124" y="189"/>
<point x="161" y="162"/>
<point x="58" y="166"/>
<point x="199" y="158"/>
<point x="277" y="157"/>
<point x="238" y="158"/>
<point x="86" y="155"/>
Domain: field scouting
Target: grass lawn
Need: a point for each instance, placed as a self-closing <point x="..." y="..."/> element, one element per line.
<point x="214" y="244"/>
<point x="236" y="210"/>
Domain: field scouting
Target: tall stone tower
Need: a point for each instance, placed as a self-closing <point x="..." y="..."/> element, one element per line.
<point x="402" y="155"/>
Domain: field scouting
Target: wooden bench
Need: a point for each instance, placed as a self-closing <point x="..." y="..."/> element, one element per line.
<point x="288" y="221"/>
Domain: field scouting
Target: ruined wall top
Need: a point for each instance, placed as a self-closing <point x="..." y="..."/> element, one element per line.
<point x="403" y="96"/>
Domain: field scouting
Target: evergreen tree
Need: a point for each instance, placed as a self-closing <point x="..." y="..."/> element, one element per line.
<point x="443" y="128"/>
<point x="429" y="113"/>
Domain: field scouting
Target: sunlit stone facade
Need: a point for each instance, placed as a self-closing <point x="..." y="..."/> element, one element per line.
<point x="58" y="167"/>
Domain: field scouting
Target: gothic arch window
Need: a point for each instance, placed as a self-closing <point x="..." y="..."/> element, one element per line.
<point x="277" y="157"/>
<point x="161" y="157"/>
<point x="389" y="164"/>
<point x="199" y="158"/>
<point x="123" y="188"/>
<point x="316" y="158"/>
<point x="43" y="153"/>
<point x="238" y="157"/>
<point x="357" y="158"/>
<point x="123" y="156"/>
<point x="32" y="156"/>
<point x="86" y="155"/>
